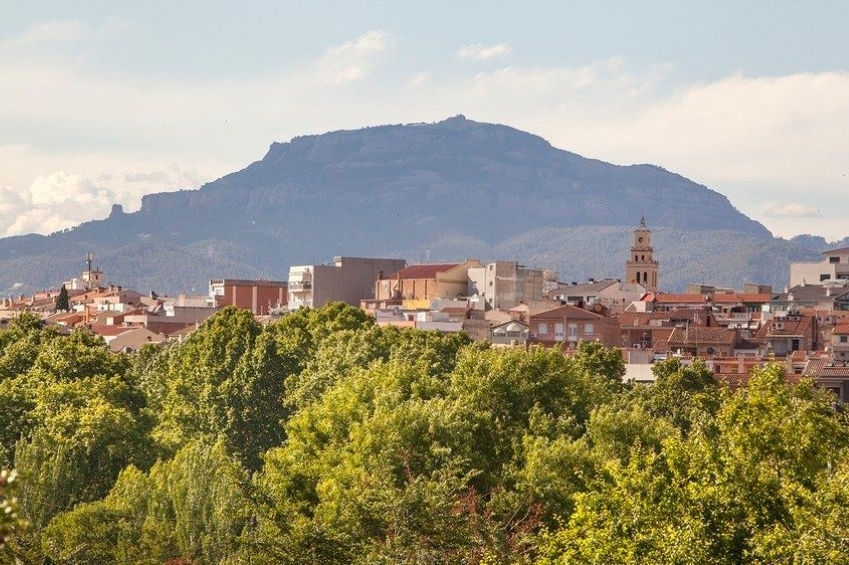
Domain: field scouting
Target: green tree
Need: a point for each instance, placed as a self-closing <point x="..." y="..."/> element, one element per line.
<point x="192" y="396"/>
<point x="191" y="508"/>
<point x="728" y="491"/>
<point x="10" y="520"/>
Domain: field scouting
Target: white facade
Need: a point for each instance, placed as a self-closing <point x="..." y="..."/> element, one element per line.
<point x="834" y="268"/>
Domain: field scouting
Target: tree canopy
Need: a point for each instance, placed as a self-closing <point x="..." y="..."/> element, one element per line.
<point x="324" y="438"/>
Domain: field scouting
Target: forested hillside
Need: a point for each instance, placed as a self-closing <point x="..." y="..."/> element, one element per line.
<point x="322" y="438"/>
<point x="439" y="192"/>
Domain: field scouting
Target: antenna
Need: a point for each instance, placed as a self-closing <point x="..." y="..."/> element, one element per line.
<point x="88" y="259"/>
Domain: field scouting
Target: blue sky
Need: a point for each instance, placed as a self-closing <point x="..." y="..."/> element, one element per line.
<point x="103" y="102"/>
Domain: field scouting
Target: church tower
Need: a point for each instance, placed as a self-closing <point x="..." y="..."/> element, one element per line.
<point x="641" y="268"/>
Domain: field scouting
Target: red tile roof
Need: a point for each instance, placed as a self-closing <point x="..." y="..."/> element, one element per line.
<point x="841" y="329"/>
<point x="703" y="336"/>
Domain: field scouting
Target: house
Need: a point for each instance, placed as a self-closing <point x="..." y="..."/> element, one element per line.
<point x="819" y="297"/>
<point x="348" y="279"/>
<point x="612" y="293"/>
<point x="566" y="325"/>
<point x="126" y="338"/>
<point x="512" y="333"/>
<point x="833" y="268"/>
<point x="791" y="331"/>
<point x="258" y="296"/>
<point x="840" y="341"/>
<point x="641" y="330"/>
<point x="700" y="341"/>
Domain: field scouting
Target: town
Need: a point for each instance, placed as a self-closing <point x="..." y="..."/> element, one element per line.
<point x="805" y="325"/>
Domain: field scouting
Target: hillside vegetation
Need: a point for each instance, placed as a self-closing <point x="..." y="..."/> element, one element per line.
<point x="321" y="438"/>
<point x="424" y="192"/>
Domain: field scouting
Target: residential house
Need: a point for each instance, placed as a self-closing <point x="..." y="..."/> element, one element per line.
<point x="612" y="293"/>
<point x="791" y="331"/>
<point x="700" y="341"/>
<point x="566" y="325"/>
<point x="513" y="333"/>
<point x="819" y="297"/>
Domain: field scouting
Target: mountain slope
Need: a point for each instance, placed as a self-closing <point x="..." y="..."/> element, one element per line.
<point x="443" y="191"/>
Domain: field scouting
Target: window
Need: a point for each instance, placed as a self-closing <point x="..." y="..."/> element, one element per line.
<point x="824" y="277"/>
<point x="794" y="345"/>
<point x="589" y="329"/>
<point x="834" y="259"/>
<point x="573" y="332"/>
<point x="558" y="331"/>
<point x="844" y="339"/>
<point x="543" y="328"/>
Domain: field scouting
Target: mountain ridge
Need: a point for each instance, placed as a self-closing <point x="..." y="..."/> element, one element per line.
<point x="412" y="191"/>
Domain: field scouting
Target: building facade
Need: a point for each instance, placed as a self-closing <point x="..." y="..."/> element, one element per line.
<point x="258" y="296"/>
<point x="641" y="266"/>
<point x="348" y="279"/>
<point x="504" y="284"/>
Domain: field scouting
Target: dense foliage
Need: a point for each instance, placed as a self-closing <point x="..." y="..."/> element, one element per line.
<point x="323" y="438"/>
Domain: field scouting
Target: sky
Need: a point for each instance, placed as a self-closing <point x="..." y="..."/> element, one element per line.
<point x="103" y="102"/>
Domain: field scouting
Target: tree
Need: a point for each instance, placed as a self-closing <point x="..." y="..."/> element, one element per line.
<point x="192" y="395"/>
<point x="191" y="508"/>
<point x="10" y="521"/>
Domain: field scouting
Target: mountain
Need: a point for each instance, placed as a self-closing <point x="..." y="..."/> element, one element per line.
<point x="424" y="192"/>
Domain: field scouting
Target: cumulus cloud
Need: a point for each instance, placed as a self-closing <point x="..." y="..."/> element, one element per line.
<point x="479" y="52"/>
<point x="790" y="209"/>
<point x="54" y="202"/>
<point x="754" y="138"/>
<point x="352" y="60"/>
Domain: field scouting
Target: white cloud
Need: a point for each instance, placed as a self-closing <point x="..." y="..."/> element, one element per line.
<point x="352" y="60"/>
<point x="755" y="139"/>
<point x="53" y="202"/>
<point x="789" y="209"/>
<point x="479" y="52"/>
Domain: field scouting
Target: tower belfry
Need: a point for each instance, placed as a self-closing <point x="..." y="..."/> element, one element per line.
<point x="641" y="267"/>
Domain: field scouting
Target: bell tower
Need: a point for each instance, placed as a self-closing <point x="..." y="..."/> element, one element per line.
<point x="641" y="268"/>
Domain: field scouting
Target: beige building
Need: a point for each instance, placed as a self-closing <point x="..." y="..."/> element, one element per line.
<point x="416" y="286"/>
<point x="504" y="284"/>
<point x="641" y="267"/>
<point x="348" y="279"/>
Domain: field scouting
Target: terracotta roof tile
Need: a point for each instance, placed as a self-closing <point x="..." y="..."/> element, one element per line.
<point x="702" y="335"/>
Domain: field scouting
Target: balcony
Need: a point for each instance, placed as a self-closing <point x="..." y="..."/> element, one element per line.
<point x="300" y="286"/>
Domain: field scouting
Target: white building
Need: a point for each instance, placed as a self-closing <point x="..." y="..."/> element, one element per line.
<point x="833" y="269"/>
